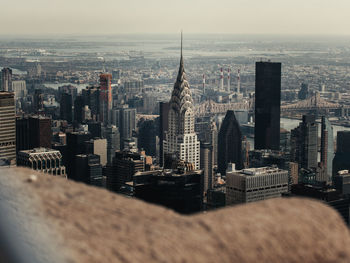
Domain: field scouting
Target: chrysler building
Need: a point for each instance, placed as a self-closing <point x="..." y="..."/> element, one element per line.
<point x="181" y="138"/>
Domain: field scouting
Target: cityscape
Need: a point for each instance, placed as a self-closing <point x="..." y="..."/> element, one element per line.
<point x="195" y="123"/>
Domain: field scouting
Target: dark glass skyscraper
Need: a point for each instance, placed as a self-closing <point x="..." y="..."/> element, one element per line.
<point x="341" y="159"/>
<point x="267" y="105"/>
<point x="229" y="143"/>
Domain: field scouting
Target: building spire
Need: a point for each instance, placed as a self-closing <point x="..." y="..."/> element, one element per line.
<point x="181" y="44"/>
<point x="181" y="68"/>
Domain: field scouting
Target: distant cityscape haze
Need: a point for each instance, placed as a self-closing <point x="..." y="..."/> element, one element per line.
<point x="158" y="16"/>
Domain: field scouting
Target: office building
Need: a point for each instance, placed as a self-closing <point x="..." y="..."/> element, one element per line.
<point x="33" y="132"/>
<point x="95" y="128"/>
<point x="66" y="107"/>
<point x="98" y="147"/>
<point x="229" y="143"/>
<point x="304" y="143"/>
<point x="147" y="136"/>
<point x="19" y="88"/>
<point x="267" y="105"/>
<point x="179" y="190"/>
<point x="78" y="109"/>
<point x="88" y="169"/>
<point x="42" y="159"/>
<point x="341" y="159"/>
<point x="7" y="129"/>
<point x="105" y="97"/>
<point x="207" y="166"/>
<point x="38" y="101"/>
<point x="163" y="127"/>
<point x="91" y="96"/>
<point x="181" y="139"/>
<point x="342" y="182"/>
<point x="255" y="184"/>
<point x="75" y="145"/>
<point x="327" y="146"/>
<point x="6" y="79"/>
<point x="125" y="165"/>
<point x="113" y="142"/>
<point x="261" y="158"/>
<point x="125" y="119"/>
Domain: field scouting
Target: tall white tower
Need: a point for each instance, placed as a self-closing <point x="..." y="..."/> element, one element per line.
<point x="181" y="138"/>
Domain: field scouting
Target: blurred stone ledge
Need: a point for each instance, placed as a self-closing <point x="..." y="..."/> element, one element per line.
<point x="63" y="221"/>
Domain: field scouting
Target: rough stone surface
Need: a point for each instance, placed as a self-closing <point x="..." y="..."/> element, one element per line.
<point x="87" y="224"/>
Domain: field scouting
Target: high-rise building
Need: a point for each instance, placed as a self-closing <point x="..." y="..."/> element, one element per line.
<point x="33" y="132"/>
<point x="42" y="159"/>
<point x="19" y="88"/>
<point x="255" y="184"/>
<point x="327" y="146"/>
<point x="91" y="97"/>
<point x="341" y="159"/>
<point x="6" y="79"/>
<point x="267" y="105"/>
<point x="303" y="93"/>
<point x="38" y="101"/>
<point x="181" y="138"/>
<point x="113" y="142"/>
<point x="7" y="128"/>
<point x="125" y="165"/>
<point x="147" y="136"/>
<point x="66" y="110"/>
<point x="95" y="128"/>
<point x="75" y="145"/>
<point x="207" y="165"/>
<point x="229" y="143"/>
<point x="78" y="109"/>
<point x="88" y="169"/>
<point x="163" y="127"/>
<point x="105" y="97"/>
<point x="98" y="147"/>
<point x="125" y="119"/>
<point x="304" y="143"/>
<point x="181" y="191"/>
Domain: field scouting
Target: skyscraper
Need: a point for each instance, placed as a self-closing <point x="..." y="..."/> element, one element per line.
<point x="267" y="105"/>
<point x="207" y="165"/>
<point x="125" y="119"/>
<point x="7" y="128"/>
<point x="113" y="142"/>
<point x="66" y="110"/>
<point x="229" y="143"/>
<point x="105" y="97"/>
<point x="163" y="127"/>
<point x="327" y="146"/>
<point x="6" y="79"/>
<point x="304" y="143"/>
<point x="341" y="159"/>
<point x="181" y="138"/>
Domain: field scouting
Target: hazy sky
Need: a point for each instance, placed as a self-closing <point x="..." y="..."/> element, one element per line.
<point x="170" y="16"/>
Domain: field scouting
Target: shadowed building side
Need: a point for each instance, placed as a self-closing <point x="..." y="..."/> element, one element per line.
<point x="229" y="143"/>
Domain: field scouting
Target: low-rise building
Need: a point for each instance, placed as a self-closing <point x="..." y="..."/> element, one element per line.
<point x="42" y="159"/>
<point x="254" y="184"/>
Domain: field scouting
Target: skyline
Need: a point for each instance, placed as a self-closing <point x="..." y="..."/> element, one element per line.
<point x="158" y="17"/>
